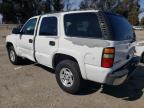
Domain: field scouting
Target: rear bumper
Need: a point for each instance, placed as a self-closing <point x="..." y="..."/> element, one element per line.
<point x="120" y="75"/>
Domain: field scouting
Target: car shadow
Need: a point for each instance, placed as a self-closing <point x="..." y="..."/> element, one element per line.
<point x="50" y="70"/>
<point x="131" y="90"/>
<point x="88" y="87"/>
<point x="25" y="62"/>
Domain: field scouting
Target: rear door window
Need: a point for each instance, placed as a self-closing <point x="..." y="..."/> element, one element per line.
<point x="48" y="26"/>
<point x="84" y="25"/>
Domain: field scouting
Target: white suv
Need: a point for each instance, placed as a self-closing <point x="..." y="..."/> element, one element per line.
<point x="79" y="45"/>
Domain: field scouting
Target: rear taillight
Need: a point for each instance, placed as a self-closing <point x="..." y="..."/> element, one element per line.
<point x="108" y="57"/>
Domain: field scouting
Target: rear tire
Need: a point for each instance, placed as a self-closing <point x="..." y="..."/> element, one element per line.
<point x="142" y="58"/>
<point x="14" y="59"/>
<point x="68" y="76"/>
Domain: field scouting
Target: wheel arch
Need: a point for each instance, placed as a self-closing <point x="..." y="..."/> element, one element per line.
<point x="61" y="56"/>
<point x="9" y="44"/>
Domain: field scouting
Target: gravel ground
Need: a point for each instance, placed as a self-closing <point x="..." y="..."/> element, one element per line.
<point x="31" y="85"/>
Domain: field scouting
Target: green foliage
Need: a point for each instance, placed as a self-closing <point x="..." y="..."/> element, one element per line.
<point x="7" y="10"/>
<point x="130" y="10"/>
<point x="133" y="15"/>
<point x="142" y="21"/>
<point x="58" y="6"/>
<point x="18" y="11"/>
<point x="127" y="8"/>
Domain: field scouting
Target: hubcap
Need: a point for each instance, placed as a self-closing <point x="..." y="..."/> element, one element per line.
<point x="12" y="55"/>
<point x="66" y="77"/>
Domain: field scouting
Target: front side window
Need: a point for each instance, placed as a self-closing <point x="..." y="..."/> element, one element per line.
<point x="29" y="27"/>
<point x="48" y="26"/>
<point x="82" y="25"/>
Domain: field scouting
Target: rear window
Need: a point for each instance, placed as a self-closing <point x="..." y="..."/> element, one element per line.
<point x="121" y="29"/>
<point x="82" y="25"/>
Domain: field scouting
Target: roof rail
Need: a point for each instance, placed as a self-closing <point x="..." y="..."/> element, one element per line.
<point x="69" y="11"/>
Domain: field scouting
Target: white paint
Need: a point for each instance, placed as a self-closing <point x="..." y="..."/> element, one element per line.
<point x="139" y="48"/>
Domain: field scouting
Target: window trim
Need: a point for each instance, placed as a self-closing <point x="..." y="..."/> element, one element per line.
<point x="56" y="27"/>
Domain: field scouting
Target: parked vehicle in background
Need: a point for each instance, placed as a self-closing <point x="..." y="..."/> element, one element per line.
<point x="1" y="18"/>
<point x="80" y="45"/>
<point x="138" y="27"/>
<point x="140" y="50"/>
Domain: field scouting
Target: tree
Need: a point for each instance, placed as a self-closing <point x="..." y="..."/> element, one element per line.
<point x="18" y="11"/>
<point x="142" y="21"/>
<point x="8" y="12"/>
<point x="99" y="4"/>
<point x="127" y="8"/>
<point x="130" y="10"/>
<point x="92" y="4"/>
<point x="58" y="5"/>
<point x="133" y="16"/>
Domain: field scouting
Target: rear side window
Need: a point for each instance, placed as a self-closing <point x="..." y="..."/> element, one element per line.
<point x="120" y="27"/>
<point x="48" y="26"/>
<point x="82" y="25"/>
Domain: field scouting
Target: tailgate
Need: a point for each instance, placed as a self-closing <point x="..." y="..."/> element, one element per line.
<point x="124" y="52"/>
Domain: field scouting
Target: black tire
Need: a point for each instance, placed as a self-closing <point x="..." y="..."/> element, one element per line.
<point x="77" y="79"/>
<point x="16" y="60"/>
<point x="142" y="58"/>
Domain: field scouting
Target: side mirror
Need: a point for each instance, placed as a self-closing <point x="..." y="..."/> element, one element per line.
<point x="16" y="31"/>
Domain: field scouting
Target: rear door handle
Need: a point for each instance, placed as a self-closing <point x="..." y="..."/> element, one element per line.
<point x="52" y="43"/>
<point x="30" y="41"/>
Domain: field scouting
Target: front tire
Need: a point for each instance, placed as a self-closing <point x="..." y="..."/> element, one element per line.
<point x="14" y="59"/>
<point x="68" y="76"/>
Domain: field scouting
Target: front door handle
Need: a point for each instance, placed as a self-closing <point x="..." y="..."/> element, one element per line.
<point x="30" y="41"/>
<point x="52" y="43"/>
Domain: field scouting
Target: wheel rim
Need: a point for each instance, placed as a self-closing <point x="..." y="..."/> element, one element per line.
<point x="66" y="77"/>
<point x="12" y="56"/>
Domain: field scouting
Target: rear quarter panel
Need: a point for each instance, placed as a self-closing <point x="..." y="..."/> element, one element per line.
<point x="86" y="51"/>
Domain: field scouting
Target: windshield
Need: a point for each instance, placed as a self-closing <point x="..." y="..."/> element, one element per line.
<point x="121" y="29"/>
<point x="82" y="25"/>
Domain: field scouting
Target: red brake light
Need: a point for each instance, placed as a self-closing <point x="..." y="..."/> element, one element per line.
<point x="108" y="57"/>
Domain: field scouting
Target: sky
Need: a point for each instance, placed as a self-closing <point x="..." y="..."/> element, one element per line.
<point x="75" y="3"/>
<point x="141" y="7"/>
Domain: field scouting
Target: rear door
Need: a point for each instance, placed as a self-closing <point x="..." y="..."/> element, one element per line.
<point x="46" y="42"/>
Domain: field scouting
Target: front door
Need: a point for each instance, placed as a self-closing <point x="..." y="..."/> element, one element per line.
<point x="26" y="39"/>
